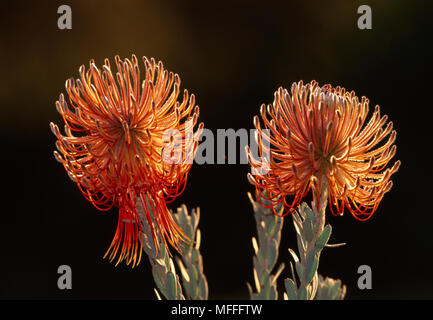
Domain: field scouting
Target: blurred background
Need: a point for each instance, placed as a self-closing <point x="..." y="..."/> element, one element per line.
<point x="233" y="55"/>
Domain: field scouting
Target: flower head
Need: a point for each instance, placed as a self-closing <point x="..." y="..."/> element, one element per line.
<point x="117" y="135"/>
<point x="320" y="137"/>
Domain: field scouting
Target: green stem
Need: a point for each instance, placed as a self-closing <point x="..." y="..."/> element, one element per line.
<point x="266" y="248"/>
<point x="190" y="262"/>
<point x="320" y="210"/>
<point x="312" y="236"/>
<point x="163" y="270"/>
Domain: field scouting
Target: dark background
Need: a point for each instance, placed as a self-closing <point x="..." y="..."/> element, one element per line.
<point x="233" y="56"/>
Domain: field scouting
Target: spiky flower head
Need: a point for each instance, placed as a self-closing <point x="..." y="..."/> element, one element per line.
<point x="320" y="137"/>
<point x="119" y="147"/>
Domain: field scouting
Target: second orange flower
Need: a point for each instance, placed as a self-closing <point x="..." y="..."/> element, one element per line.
<point x="320" y="137"/>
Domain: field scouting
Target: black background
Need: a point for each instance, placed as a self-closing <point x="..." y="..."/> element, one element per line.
<point x="233" y="56"/>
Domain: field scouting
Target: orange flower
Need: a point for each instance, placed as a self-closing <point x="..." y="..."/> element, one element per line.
<point x="118" y="154"/>
<point x="317" y="137"/>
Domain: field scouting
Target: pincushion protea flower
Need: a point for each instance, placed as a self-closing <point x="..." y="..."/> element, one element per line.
<point x="318" y="137"/>
<point x="118" y="154"/>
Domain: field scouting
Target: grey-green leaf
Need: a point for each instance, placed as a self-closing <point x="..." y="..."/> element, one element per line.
<point x="311" y="267"/>
<point x="290" y="289"/>
<point x="323" y="238"/>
